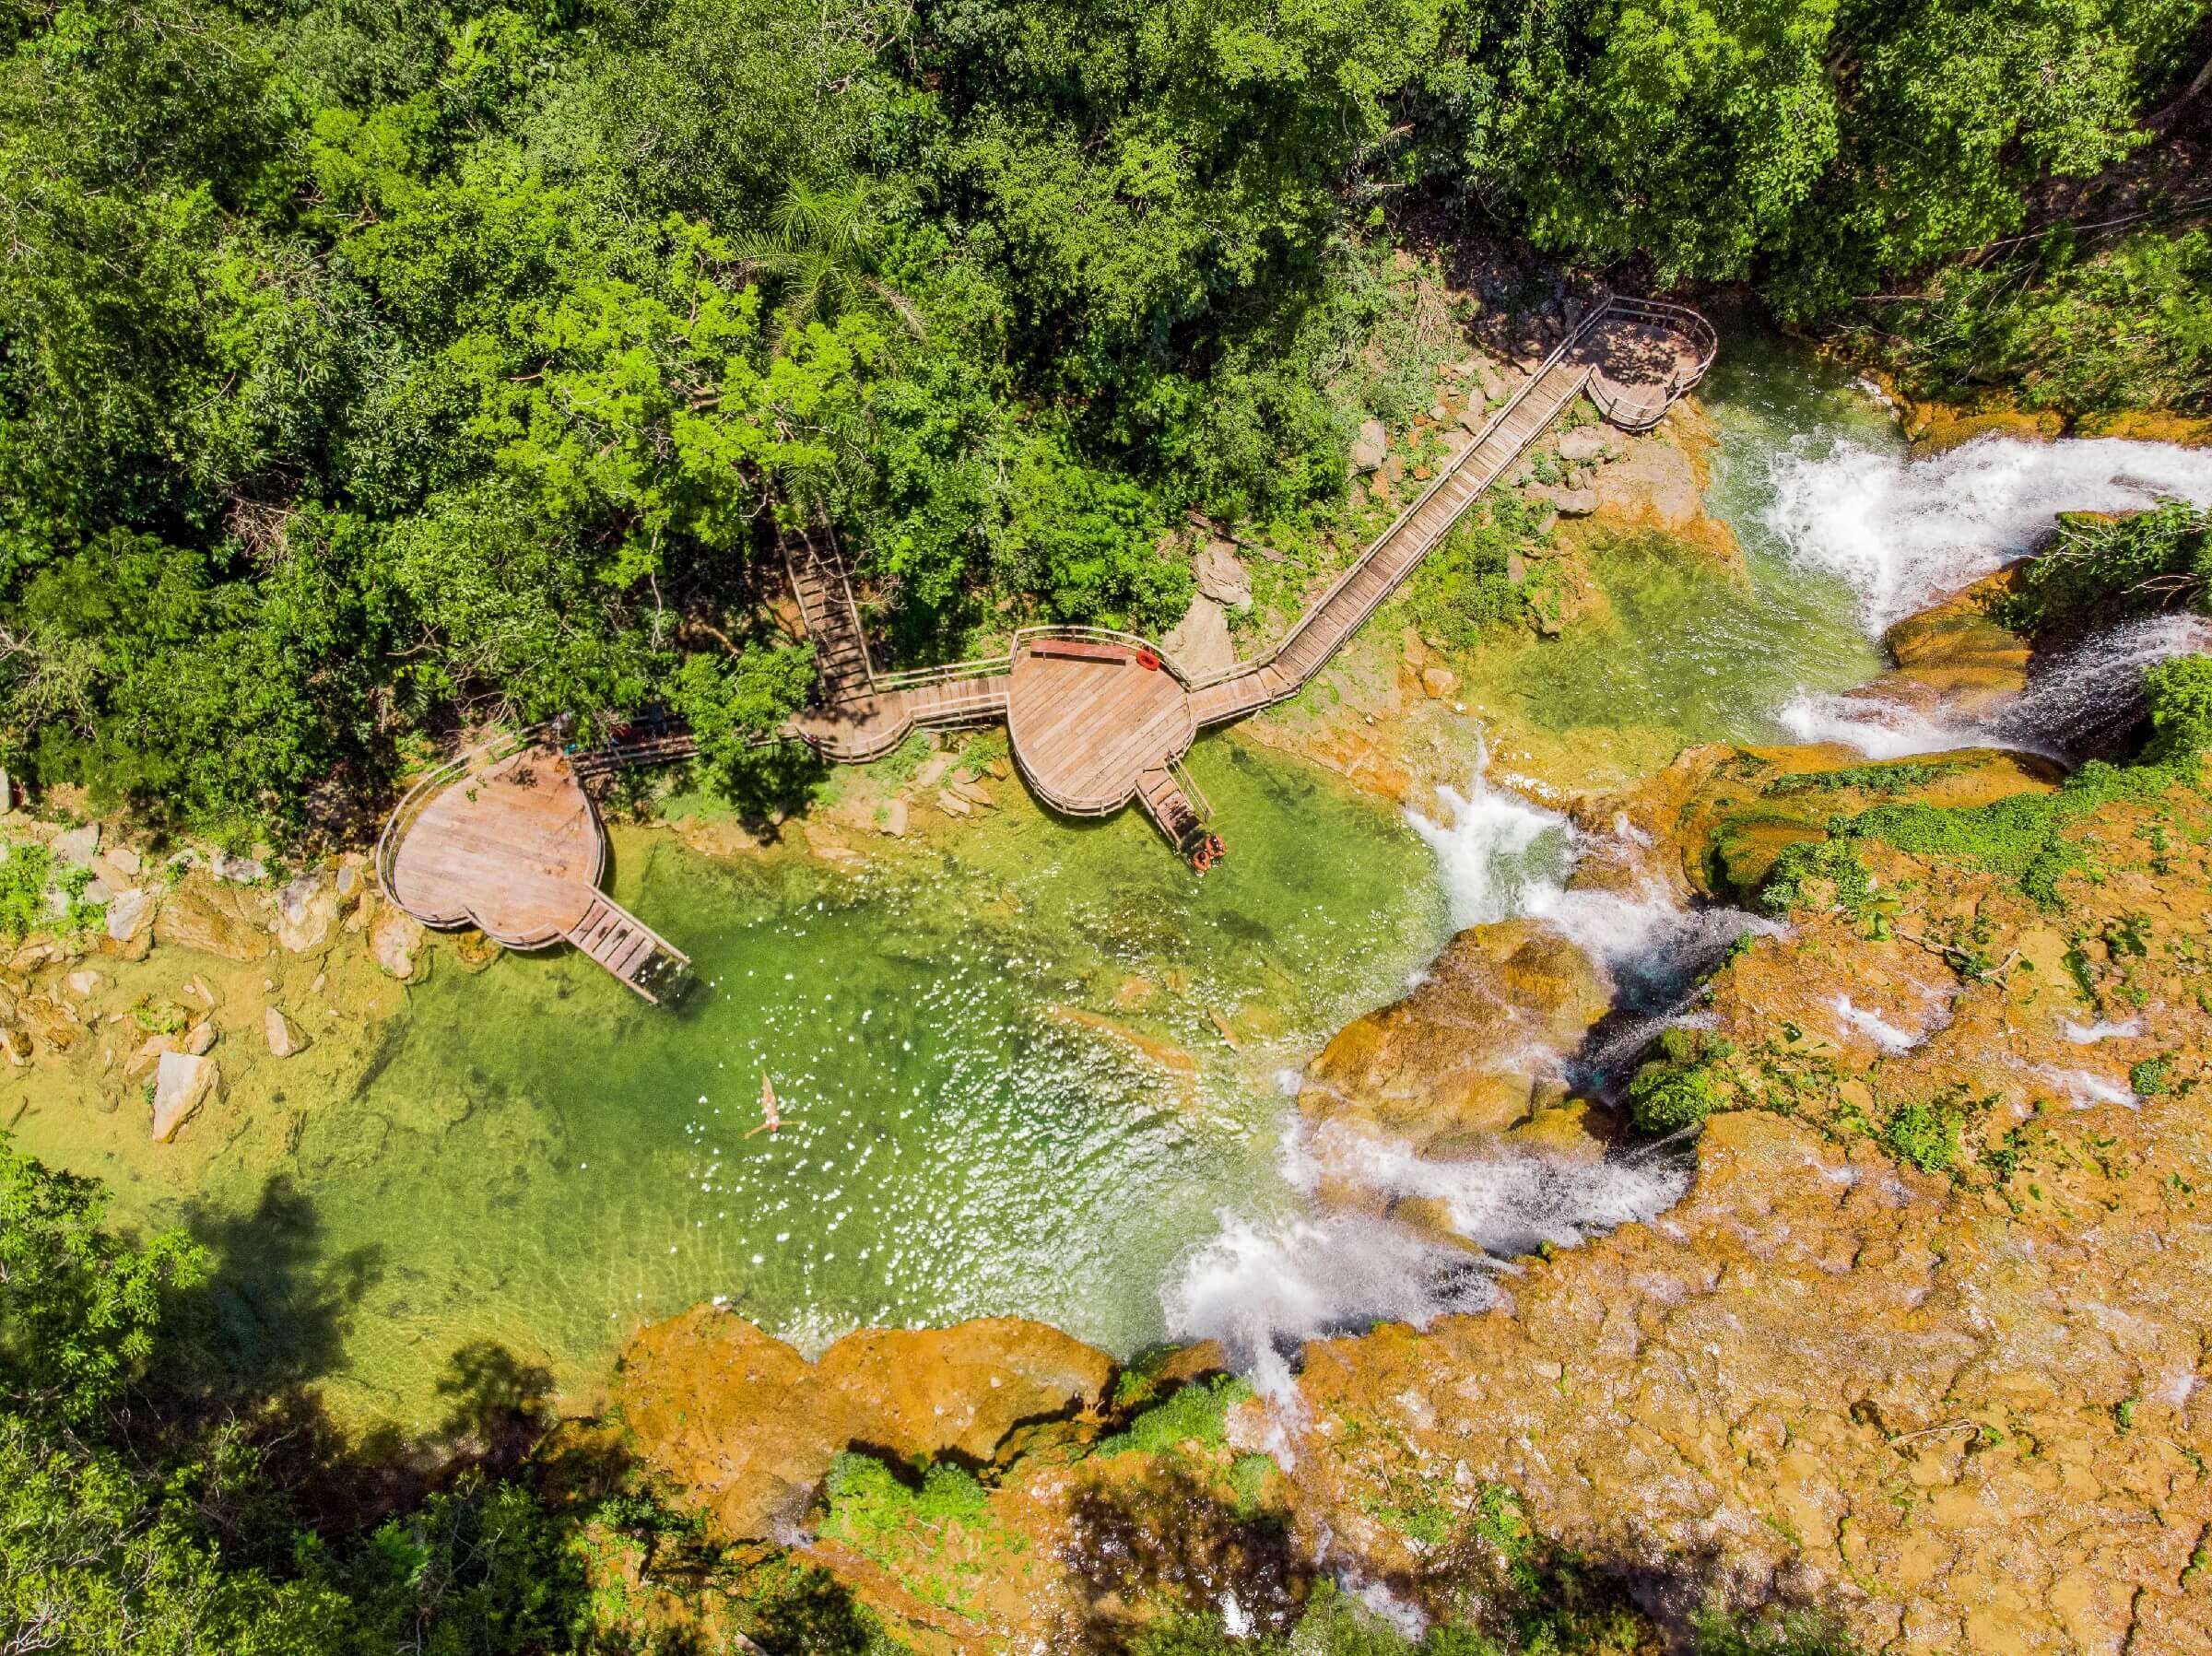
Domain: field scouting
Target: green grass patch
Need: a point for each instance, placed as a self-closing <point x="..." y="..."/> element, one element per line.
<point x="1197" y="1414"/>
<point x="1902" y="778"/>
<point x="1926" y="1136"/>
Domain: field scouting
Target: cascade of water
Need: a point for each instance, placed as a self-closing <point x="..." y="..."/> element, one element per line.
<point x="1905" y="532"/>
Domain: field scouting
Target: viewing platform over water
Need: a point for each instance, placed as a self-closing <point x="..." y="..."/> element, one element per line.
<point x="506" y="838"/>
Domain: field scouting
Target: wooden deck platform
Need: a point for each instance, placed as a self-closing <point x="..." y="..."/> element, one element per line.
<point x="1088" y="718"/>
<point x="509" y="843"/>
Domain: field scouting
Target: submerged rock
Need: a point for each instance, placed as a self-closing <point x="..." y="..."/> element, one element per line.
<point x="747" y="1428"/>
<point x="395" y="941"/>
<point x="283" y="1037"/>
<point x="182" y="1082"/>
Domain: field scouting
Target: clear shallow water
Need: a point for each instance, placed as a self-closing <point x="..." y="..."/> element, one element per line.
<point x="542" y="1162"/>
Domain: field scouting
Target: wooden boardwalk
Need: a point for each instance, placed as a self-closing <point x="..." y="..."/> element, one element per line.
<point x="1093" y="729"/>
<point x="505" y="837"/>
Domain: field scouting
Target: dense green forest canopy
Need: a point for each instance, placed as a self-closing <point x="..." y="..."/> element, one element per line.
<point x="367" y="369"/>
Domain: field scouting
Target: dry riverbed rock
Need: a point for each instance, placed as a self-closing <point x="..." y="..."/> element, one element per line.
<point x="229" y="921"/>
<point x="395" y="942"/>
<point x="747" y="1428"/>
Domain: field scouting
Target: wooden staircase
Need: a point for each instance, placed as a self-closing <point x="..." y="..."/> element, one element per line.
<point x="1173" y="813"/>
<point x="627" y="946"/>
<point x="824" y="590"/>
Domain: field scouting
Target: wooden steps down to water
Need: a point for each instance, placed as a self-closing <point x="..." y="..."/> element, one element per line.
<point x="636" y="954"/>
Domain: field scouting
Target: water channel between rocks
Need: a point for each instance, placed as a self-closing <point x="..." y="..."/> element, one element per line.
<point x="1004" y="1081"/>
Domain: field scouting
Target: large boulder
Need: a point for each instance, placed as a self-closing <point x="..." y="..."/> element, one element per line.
<point x="395" y="942"/>
<point x="229" y="921"/>
<point x="1585" y="443"/>
<point x="131" y="922"/>
<point x="1221" y="577"/>
<point x="1461" y="1056"/>
<point x="307" y="910"/>
<point x="747" y="1426"/>
<point x="182" y="1082"/>
<point x="1200" y="643"/>
<point x="1369" y="448"/>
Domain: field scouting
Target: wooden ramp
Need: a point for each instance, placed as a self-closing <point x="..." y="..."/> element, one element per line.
<point x="1097" y="720"/>
<point x="637" y="954"/>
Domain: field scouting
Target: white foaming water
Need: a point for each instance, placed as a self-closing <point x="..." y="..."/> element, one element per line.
<point x="2081" y="704"/>
<point x="2086" y="1087"/>
<point x="1263" y="1289"/>
<point x="2089" y="1035"/>
<point x="1904" y="531"/>
<point x="1878" y="1028"/>
<point x="1501" y="856"/>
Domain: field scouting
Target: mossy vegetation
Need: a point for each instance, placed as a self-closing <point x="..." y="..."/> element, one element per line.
<point x="1196" y="1413"/>
<point x="2102" y="569"/>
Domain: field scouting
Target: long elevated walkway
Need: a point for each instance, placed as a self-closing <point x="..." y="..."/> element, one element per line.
<point x="505" y="837"/>
<point x="1094" y="719"/>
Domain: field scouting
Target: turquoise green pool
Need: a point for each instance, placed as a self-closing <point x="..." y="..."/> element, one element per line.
<point x="1003" y="1086"/>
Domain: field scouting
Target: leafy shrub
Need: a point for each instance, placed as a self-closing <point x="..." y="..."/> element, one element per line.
<point x="1924" y="1136"/>
<point x="1788" y="883"/>
<point x="2152" y="1076"/>
<point x="1666" y="1098"/>
<point x="1198" y="1412"/>
<point x="25" y="874"/>
<point x="2102" y="569"/>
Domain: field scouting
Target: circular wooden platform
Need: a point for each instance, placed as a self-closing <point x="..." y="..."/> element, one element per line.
<point x="515" y="850"/>
<point x="1085" y="718"/>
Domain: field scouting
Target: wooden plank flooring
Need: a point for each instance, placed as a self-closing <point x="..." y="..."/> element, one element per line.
<point x="1083" y="731"/>
<point x="513" y="850"/>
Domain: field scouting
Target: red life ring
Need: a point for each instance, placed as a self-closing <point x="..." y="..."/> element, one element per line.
<point x="1147" y="661"/>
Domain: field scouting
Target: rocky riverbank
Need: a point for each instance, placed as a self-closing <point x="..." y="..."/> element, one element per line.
<point x="1919" y="1350"/>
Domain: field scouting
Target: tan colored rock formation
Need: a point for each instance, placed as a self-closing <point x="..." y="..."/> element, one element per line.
<point x="747" y="1428"/>
<point x="1462" y="1054"/>
<point x="228" y="921"/>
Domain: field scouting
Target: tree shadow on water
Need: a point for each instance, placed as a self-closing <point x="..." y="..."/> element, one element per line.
<point x="277" y="1306"/>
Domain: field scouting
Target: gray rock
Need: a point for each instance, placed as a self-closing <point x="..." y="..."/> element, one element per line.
<point x="1221" y="576"/>
<point x="239" y="870"/>
<point x="306" y="911"/>
<point x="1200" y="643"/>
<point x="285" y="1039"/>
<point x="1373" y="444"/>
<point x="129" y="913"/>
<point x="200" y="1040"/>
<point x="182" y="1084"/>
<point x="1586" y="444"/>
<point x="395" y="941"/>
<point x="126" y="860"/>
<point x="75" y="846"/>
<point x="1573" y="503"/>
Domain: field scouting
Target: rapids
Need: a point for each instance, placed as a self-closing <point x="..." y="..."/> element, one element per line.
<point x="1001" y="1056"/>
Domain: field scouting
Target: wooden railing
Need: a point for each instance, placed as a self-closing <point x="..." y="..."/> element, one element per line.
<point x="1682" y="320"/>
<point x="427" y="787"/>
<point x="1259" y="664"/>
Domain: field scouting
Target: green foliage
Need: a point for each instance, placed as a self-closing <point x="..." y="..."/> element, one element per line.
<point x="2150" y="1077"/>
<point x="1923" y="1135"/>
<point x="79" y="1307"/>
<point x="2180" y="698"/>
<point x="868" y="1502"/>
<point x="2065" y="323"/>
<point x="1197" y="1412"/>
<point x="1789" y="884"/>
<point x="1903" y="776"/>
<point x="26" y="876"/>
<point x="1463" y="590"/>
<point x="2103" y="569"/>
<point x="1665" y="1097"/>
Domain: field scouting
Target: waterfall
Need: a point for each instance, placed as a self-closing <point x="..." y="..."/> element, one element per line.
<point x="1903" y="533"/>
<point x="2081" y="704"/>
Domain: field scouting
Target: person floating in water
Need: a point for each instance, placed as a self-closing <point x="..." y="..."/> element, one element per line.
<point x="771" y="1119"/>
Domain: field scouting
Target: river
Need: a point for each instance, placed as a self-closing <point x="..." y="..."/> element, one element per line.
<point x="1005" y="1080"/>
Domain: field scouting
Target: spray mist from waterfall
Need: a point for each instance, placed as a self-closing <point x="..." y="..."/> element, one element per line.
<point x="1263" y="1287"/>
